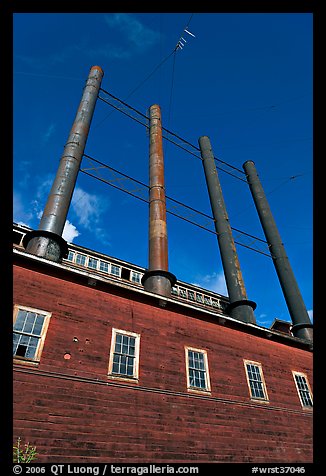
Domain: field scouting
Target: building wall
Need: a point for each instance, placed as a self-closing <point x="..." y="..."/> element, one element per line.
<point x="73" y="412"/>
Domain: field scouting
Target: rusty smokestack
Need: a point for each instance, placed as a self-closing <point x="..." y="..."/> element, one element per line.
<point x="157" y="278"/>
<point x="240" y="307"/>
<point x="47" y="241"/>
<point x="302" y="326"/>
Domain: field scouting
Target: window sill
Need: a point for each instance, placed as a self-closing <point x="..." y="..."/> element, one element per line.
<point x="30" y="363"/>
<point x="123" y="378"/>
<point x="259" y="400"/>
<point x="199" y="391"/>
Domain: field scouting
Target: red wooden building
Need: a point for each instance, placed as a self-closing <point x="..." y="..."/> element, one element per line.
<point x="107" y="371"/>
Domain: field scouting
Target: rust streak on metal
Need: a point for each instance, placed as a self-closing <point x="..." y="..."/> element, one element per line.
<point x="55" y="213"/>
<point x="157" y="279"/>
<point x="158" y="243"/>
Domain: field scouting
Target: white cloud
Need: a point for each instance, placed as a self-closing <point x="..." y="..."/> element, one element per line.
<point x="311" y="314"/>
<point x="48" y="133"/>
<point x="36" y="205"/>
<point x="20" y="214"/>
<point x="88" y="210"/>
<point x="214" y="282"/>
<point x="23" y="169"/>
<point x="69" y="232"/>
<point x="263" y="320"/>
<point x="44" y="187"/>
<point x="134" y="38"/>
<point x="88" y="207"/>
<point x="138" y="36"/>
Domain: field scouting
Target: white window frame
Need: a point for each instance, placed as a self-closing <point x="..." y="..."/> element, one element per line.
<point x="36" y="359"/>
<point x="119" y="269"/>
<point x="216" y="303"/>
<point x="73" y="256"/>
<point x="264" y="388"/>
<point x="191" y="293"/>
<point x="301" y="374"/>
<point x="101" y="261"/>
<point x="135" y="375"/>
<point x="190" y="387"/>
<point x="135" y="274"/>
<point x="84" y="256"/>
<point x="89" y="258"/>
<point x="200" y="298"/>
<point x="183" y="293"/>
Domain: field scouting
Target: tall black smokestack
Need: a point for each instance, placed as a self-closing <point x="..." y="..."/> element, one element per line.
<point x="302" y="326"/>
<point x="240" y="307"/>
<point x="47" y="241"/>
<point x="157" y="278"/>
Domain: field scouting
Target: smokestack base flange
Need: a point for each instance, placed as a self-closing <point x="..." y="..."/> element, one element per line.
<point x="303" y="331"/>
<point x="159" y="282"/>
<point x="242" y="310"/>
<point x="46" y="244"/>
<point x="242" y="302"/>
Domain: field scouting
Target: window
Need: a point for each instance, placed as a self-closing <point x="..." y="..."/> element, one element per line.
<point x="104" y="266"/>
<point x="255" y="380"/>
<point x="199" y="297"/>
<point x="191" y="295"/>
<point x="80" y="259"/>
<point x="115" y="270"/>
<point x="197" y="369"/>
<point x="183" y="293"/>
<point x="30" y="326"/>
<point x="92" y="263"/>
<point x="135" y="277"/>
<point x="215" y="303"/>
<point x="124" y="354"/>
<point x="70" y="256"/>
<point x="303" y="389"/>
<point x="174" y="291"/>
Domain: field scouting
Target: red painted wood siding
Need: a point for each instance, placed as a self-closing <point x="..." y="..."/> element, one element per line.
<point x="66" y="408"/>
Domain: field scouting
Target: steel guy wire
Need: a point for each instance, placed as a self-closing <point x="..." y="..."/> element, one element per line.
<point x="132" y="193"/>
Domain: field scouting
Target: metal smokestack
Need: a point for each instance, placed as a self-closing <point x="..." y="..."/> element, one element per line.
<point x="302" y="326"/>
<point x="240" y="307"/>
<point x="157" y="278"/>
<point x="47" y="241"/>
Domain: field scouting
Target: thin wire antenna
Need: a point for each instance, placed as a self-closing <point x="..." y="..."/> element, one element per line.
<point x="154" y="70"/>
<point x="181" y="43"/>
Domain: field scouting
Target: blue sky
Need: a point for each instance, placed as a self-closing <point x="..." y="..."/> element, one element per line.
<point x="245" y="80"/>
